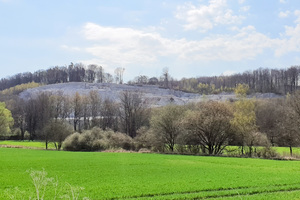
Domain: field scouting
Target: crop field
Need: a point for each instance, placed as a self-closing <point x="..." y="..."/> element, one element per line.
<point x="151" y="176"/>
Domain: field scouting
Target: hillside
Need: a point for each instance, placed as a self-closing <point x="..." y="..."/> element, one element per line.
<point x="153" y="95"/>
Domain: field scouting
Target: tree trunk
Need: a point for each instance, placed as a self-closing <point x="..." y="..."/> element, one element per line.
<point x="22" y="134"/>
<point x="291" y="151"/>
<point x="242" y="150"/>
<point x="250" y="151"/>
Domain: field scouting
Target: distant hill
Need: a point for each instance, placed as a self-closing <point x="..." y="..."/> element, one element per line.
<point x="153" y="95"/>
<point x="262" y="80"/>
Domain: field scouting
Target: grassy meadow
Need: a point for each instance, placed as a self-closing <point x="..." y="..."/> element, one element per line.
<point x="283" y="151"/>
<point x="26" y="144"/>
<point x="151" y="176"/>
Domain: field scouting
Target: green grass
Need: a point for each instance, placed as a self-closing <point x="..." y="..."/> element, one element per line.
<point x="283" y="151"/>
<point x="27" y="144"/>
<point x="153" y="176"/>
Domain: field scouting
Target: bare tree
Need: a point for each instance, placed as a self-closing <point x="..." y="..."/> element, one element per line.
<point x="289" y="125"/>
<point x="77" y="111"/>
<point x="95" y="107"/>
<point x="133" y="112"/>
<point x="210" y="123"/>
<point x="267" y="118"/>
<point x="91" y="73"/>
<point x="56" y="131"/>
<point x="57" y="101"/>
<point x="289" y="132"/>
<point x="119" y="75"/>
<point x="19" y="115"/>
<point x="31" y="118"/>
<point x="166" y="122"/>
<point x="86" y="111"/>
<point x="100" y="74"/>
<point x="166" y="77"/>
<point x="109" y="115"/>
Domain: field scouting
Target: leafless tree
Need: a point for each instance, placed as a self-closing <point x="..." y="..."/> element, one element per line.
<point x="77" y="111"/>
<point x="56" y="131"/>
<point x="166" y="122"/>
<point x="210" y="123"/>
<point x="133" y="112"/>
<point x="268" y="117"/>
<point x="119" y="75"/>
<point x="95" y="107"/>
<point x="109" y="115"/>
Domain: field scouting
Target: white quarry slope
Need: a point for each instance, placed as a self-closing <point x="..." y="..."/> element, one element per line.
<point x="153" y="95"/>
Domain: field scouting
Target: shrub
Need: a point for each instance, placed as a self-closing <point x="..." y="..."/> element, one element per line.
<point x="267" y="153"/>
<point x="71" y="143"/>
<point x="97" y="140"/>
<point x="120" y="140"/>
<point x="147" y="139"/>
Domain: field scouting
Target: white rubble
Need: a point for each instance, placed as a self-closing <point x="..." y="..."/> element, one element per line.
<point x="153" y="95"/>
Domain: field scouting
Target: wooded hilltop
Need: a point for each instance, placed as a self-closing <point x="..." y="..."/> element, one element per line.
<point x="263" y="80"/>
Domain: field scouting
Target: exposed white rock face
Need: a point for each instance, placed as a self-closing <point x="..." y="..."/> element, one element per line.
<point x="152" y="95"/>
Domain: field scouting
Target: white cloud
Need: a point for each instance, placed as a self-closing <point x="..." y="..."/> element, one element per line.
<point x="208" y="16"/>
<point x="297" y="15"/>
<point x="245" y="8"/>
<point x="282" y="1"/>
<point x="241" y="1"/>
<point x="290" y="41"/>
<point x="284" y="14"/>
<point x="124" y="46"/>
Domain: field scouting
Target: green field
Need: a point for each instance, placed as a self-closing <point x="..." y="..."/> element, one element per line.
<point x="153" y="176"/>
<point x="27" y="144"/>
<point x="283" y="151"/>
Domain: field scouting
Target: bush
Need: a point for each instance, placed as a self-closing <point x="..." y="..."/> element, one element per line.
<point x="120" y="140"/>
<point x="147" y="139"/>
<point x="97" y="140"/>
<point x="267" y="153"/>
<point x="71" y="143"/>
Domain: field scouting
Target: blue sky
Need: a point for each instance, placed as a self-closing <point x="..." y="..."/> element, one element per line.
<point x="191" y="38"/>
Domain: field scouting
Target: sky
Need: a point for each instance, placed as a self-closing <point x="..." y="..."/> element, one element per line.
<point x="191" y="38"/>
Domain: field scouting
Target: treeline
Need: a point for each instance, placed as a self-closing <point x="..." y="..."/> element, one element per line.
<point x="72" y="73"/>
<point x="90" y="123"/>
<point x="280" y="81"/>
<point x="82" y="112"/>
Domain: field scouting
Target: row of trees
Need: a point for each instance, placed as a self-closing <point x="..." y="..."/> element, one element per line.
<point x="72" y="73"/>
<point x="281" y="81"/>
<point x="211" y="126"/>
<point x="83" y="112"/>
<point x="208" y="126"/>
